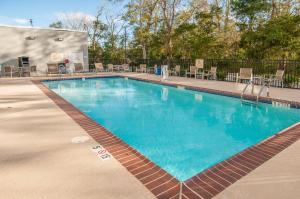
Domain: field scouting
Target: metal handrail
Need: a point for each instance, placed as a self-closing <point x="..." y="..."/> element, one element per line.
<point x="244" y="90"/>
<point x="266" y="85"/>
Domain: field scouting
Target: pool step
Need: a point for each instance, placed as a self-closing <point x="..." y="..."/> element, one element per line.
<point x="249" y="102"/>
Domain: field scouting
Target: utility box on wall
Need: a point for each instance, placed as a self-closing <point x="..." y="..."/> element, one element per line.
<point x="42" y="46"/>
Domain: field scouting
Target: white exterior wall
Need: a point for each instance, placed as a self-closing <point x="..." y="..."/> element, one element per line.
<point x="44" y="48"/>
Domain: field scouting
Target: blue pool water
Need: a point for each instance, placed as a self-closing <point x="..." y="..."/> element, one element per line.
<point x="182" y="131"/>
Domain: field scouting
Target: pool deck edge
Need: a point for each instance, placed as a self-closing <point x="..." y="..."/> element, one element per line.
<point x="293" y="104"/>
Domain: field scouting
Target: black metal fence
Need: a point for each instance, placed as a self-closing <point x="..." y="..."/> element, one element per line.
<point x="227" y="68"/>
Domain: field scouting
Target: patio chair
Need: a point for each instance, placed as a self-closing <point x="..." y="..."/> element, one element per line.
<point x="52" y="68"/>
<point x="277" y="78"/>
<point x="117" y="67"/>
<point x="110" y="68"/>
<point x="245" y="74"/>
<point x="191" y="71"/>
<point x="126" y="68"/>
<point x="199" y="64"/>
<point x="10" y="71"/>
<point x="25" y="71"/>
<point x="33" y="70"/>
<point x="152" y="69"/>
<point x="78" y="67"/>
<point x="175" y="71"/>
<point x="142" y="68"/>
<point x="212" y="74"/>
<point x="99" y="67"/>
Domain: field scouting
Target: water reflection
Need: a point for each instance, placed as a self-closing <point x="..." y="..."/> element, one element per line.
<point x="198" y="97"/>
<point x="164" y="94"/>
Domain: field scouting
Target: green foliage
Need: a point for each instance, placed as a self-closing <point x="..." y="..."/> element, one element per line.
<point x="160" y="29"/>
<point x="247" y="12"/>
<point x="94" y="52"/>
<point x="277" y="38"/>
<point x="57" y="25"/>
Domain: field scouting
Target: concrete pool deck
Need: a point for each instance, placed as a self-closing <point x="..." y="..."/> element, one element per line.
<point x="41" y="162"/>
<point x="38" y="159"/>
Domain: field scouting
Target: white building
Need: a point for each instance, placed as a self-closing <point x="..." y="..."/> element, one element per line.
<point x="42" y="46"/>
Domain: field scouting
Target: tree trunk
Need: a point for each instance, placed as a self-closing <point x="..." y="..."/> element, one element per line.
<point x="144" y="51"/>
<point x="217" y="14"/>
<point x="227" y="13"/>
<point x="274" y="9"/>
<point x="169" y="49"/>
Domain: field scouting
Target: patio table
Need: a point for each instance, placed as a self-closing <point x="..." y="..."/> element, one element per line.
<point x="202" y="74"/>
<point x="258" y="78"/>
<point x="151" y="70"/>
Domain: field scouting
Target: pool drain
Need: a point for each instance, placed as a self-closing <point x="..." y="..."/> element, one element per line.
<point x="79" y="139"/>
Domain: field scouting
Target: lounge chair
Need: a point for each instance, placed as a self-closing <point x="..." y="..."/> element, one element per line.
<point x="99" y="67"/>
<point x="110" y="68"/>
<point x="52" y="69"/>
<point x="212" y="74"/>
<point x="191" y="71"/>
<point x="142" y="68"/>
<point x="175" y="71"/>
<point x="245" y="74"/>
<point x="78" y="67"/>
<point x="277" y="78"/>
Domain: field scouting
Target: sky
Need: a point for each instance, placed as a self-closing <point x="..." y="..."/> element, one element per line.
<point x="44" y="12"/>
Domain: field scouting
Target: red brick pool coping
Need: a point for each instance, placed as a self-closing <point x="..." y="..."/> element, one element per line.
<point x="204" y="185"/>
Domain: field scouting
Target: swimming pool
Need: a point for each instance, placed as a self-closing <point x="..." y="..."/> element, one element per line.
<point x="182" y="131"/>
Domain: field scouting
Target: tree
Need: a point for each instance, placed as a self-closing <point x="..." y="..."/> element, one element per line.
<point x="112" y="37"/>
<point x="168" y="29"/>
<point x="278" y="38"/>
<point x="76" y="20"/>
<point x="96" y="30"/>
<point x="57" y="25"/>
<point x="248" y="12"/>
<point x="195" y="39"/>
<point x="143" y="16"/>
<point x="227" y="14"/>
<point x="169" y="10"/>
